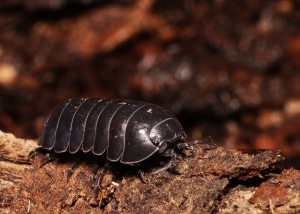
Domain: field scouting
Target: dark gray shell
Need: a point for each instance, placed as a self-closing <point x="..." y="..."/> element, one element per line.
<point x="127" y="131"/>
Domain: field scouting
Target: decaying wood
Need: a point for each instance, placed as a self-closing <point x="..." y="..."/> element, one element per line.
<point x="212" y="180"/>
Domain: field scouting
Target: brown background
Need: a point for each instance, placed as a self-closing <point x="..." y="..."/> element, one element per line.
<point x="229" y="69"/>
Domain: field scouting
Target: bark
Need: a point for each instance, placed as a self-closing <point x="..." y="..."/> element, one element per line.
<point x="212" y="180"/>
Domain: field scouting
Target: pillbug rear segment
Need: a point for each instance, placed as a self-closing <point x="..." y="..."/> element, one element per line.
<point x="125" y="131"/>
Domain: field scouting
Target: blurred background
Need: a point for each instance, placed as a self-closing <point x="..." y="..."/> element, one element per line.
<point x="228" y="69"/>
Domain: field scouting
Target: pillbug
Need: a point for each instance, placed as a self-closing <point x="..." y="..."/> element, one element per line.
<point x="124" y="131"/>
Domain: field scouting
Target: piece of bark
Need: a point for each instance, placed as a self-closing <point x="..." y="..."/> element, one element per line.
<point x="280" y="194"/>
<point x="211" y="177"/>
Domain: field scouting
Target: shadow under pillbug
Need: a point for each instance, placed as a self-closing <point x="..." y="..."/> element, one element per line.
<point x="124" y="131"/>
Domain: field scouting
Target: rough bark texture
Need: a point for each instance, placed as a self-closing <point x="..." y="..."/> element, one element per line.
<point x="229" y="69"/>
<point x="213" y="180"/>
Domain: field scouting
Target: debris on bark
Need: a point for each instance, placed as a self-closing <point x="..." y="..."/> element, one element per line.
<point x="212" y="180"/>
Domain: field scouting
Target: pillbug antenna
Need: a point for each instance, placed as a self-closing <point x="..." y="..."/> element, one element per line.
<point x="206" y="143"/>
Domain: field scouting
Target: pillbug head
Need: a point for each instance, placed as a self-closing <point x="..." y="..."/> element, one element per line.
<point x="167" y="131"/>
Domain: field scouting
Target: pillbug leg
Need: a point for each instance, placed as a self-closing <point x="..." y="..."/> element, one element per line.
<point x="94" y="175"/>
<point x="72" y="167"/>
<point x="47" y="158"/>
<point x="102" y="172"/>
<point x="168" y="153"/>
<point x="142" y="176"/>
<point x="32" y="154"/>
<point x="185" y="146"/>
<point x="174" y="170"/>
